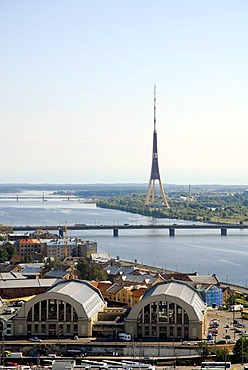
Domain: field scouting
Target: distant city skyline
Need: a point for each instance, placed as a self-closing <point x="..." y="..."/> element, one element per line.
<point x="77" y="83"/>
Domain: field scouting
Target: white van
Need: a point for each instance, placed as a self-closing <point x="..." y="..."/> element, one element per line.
<point x="124" y="336"/>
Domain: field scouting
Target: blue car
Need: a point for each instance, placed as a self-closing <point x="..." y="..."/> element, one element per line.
<point x="35" y="339"/>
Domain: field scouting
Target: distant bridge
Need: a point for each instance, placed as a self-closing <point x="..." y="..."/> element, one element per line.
<point x="171" y="228"/>
<point x="42" y="197"/>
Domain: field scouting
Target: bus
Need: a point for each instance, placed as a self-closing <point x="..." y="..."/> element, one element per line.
<point x="216" y="365"/>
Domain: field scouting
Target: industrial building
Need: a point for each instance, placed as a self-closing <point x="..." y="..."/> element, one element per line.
<point x="168" y="310"/>
<point x="69" y="307"/>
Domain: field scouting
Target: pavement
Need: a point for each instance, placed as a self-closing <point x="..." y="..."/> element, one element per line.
<point x="226" y="320"/>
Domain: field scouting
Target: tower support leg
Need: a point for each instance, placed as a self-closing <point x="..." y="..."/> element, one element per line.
<point x="115" y="232"/>
<point x="223" y="231"/>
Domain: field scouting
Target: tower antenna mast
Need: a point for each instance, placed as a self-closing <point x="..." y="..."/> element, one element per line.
<point x="155" y="175"/>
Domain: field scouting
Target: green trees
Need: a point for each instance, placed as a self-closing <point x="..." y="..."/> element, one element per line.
<point x="3" y="255"/>
<point x="230" y="208"/>
<point x="28" y="259"/>
<point x="222" y="355"/>
<point x="203" y="350"/>
<point x="240" y="350"/>
<point x="91" y="271"/>
<point x="49" y="264"/>
<point x="7" y="253"/>
<point x="5" y="229"/>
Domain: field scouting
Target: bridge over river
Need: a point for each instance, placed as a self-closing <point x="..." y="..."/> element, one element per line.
<point x="115" y="228"/>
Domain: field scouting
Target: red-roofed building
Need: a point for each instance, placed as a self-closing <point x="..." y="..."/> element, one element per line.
<point x="118" y="294"/>
<point x="28" y="247"/>
<point x="15" y="259"/>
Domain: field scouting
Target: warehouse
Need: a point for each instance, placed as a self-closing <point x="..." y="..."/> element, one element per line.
<point x="168" y="310"/>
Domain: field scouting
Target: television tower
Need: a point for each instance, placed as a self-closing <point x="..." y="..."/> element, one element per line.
<point x="155" y="170"/>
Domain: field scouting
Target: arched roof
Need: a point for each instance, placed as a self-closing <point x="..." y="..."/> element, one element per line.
<point x="86" y="298"/>
<point x="173" y="291"/>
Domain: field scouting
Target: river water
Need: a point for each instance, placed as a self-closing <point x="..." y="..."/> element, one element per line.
<point x="203" y="251"/>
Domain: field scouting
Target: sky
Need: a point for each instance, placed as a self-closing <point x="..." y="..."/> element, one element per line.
<point x="76" y="91"/>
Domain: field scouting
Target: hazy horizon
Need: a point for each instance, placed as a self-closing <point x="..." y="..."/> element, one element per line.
<point x="77" y="82"/>
<point x="119" y="184"/>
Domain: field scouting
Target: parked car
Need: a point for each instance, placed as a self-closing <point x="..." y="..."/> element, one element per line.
<point x="238" y="331"/>
<point x="35" y="339"/>
<point x="213" y="331"/>
<point x="240" y="325"/>
<point x="210" y="341"/>
<point x="222" y="341"/>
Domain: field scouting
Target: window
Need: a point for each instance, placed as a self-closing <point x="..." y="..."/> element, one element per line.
<point x="52" y="309"/>
<point x="68" y="311"/>
<point x="36" y="311"/>
<point x="29" y="316"/>
<point x="147" y="314"/>
<point x="179" y="314"/>
<point x="43" y="328"/>
<point x="52" y="329"/>
<point x="179" y="331"/>
<point x="172" y="331"/>
<point x="75" y="316"/>
<point x="75" y="329"/>
<point x="43" y="310"/>
<point x="61" y="311"/>
<point x="186" y="318"/>
<point x="154" y="313"/>
<point x="147" y="333"/>
<point x="162" y="312"/>
<point x="154" y="331"/>
<point x="140" y="317"/>
<point x="29" y="329"/>
<point x="68" y="328"/>
<point x="171" y="312"/>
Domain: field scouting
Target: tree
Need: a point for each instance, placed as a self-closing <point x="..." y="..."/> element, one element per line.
<point x="3" y="255"/>
<point x="97" y="272"/>
<point x="49" y="264"/>
<point x="11" y="250"/>
<point x="29" y="259"/>
<point x="203" y="350"/>
<point x="6" y="229"/>
<point x="240" y="350"/>
<point x="222" y="354"/>
<point x="83" y="267"/>
<point x="91" y="271"/>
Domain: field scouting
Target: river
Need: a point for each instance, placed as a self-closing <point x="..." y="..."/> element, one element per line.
<point x="203" y="251"/>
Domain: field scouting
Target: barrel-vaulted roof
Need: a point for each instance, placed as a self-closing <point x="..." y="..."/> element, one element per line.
<point x="174" y="291"/>
<point x="82" y="292"/>
<point x="84" y="297"/>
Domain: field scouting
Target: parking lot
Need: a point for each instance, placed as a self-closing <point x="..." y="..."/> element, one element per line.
<point x="227" y="329"/>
